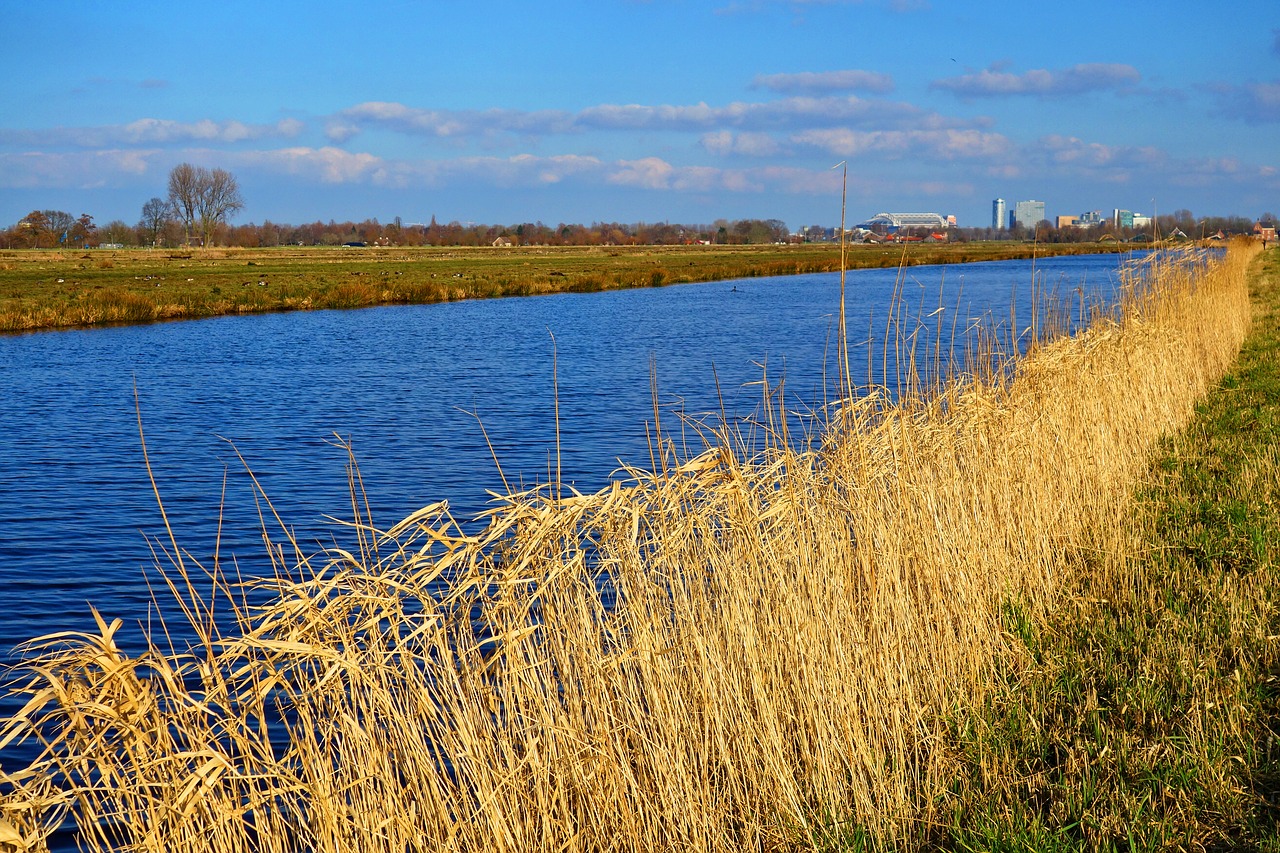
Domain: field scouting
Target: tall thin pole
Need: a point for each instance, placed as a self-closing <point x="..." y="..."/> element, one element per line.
<point x="846" y="379"/>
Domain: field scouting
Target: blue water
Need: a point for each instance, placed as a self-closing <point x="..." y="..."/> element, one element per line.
<point x="405" y="385"/>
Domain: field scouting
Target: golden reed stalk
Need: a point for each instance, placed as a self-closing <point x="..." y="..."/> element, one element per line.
<point x="721" y="654"/>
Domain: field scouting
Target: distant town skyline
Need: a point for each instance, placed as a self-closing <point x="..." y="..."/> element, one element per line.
<point x="643" y="110"/>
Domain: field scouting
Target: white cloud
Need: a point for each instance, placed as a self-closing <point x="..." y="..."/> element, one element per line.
<point x="896" y="144"/>
<point x="646" y="173"/>
<point x="334" y="165"/>
<point x="1076" y="80"/>
<point x="1072" y="151"/>
<point x="339" y="131"/>
<point x="650" y="173"/>
<point x="328" y="164"/>
<point x="785" y="113"/>
<point x="662" y="117"/>
<point x="725" y="142"/>
<point x="553" y="170"/>
<point x="290" y="127"/>
<point x="443" y="123"/>
<point x="79" y="170"/>
<point x="1072" y="158"/>
<point x="153" y="131"/>
<point x="782" y="113"/>
<point x="790" y="179"/>
<point x="521" y="170"/>
<point x="825" y="81"/>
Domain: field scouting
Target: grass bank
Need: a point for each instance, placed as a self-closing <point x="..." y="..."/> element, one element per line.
<point x="47" y="289"/>
<point x="1142" y="710"/>
<point x="721" y="653"/>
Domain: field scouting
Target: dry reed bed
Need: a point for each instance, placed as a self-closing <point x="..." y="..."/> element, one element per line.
<point x="724" y="653"/>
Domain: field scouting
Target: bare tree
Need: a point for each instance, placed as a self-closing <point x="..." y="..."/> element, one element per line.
<point x="83" y="232"/>
<point x="33" y="227"/>
<point x="218" y="199"/>
<point x="198" y="196"/>
<point x="184" y="194"/>
<point x="59" y="224"/>
<point x="116" y="233"/>
<point x="155" y="215"/>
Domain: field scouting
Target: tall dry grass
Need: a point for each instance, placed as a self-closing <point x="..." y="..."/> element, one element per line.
<point x="721" y="653"/>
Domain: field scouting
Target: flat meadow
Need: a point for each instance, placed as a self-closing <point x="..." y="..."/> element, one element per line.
<point x="41" y="289"/>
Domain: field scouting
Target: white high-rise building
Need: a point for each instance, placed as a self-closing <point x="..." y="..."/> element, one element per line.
<point x="998" y="214"/>
<point x="1028" y="213"/>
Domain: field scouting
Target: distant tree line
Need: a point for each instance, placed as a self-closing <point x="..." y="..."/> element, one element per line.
<point x="160" y="227"/>
<point x="200" y="201"/>
<point x="398" y="233"/>
<point x="44" y="229"/>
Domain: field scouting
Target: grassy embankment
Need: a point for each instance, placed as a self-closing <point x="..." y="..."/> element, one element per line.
<point x="1143" y="709"/>
<point x="780" y="658"/>
<point x="45" y="289"/>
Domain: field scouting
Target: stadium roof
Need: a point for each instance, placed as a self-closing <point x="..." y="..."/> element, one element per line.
<point x="906" y="220"/>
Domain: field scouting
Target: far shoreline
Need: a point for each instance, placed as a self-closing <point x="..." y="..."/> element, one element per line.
<point x="42" y="289"/>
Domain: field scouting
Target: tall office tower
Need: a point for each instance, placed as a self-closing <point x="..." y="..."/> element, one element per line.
<point x="1028" y="213"/>
<point x="998" y="214"/>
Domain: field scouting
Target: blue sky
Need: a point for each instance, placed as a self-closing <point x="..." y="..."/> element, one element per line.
<point x="643" y="110"/>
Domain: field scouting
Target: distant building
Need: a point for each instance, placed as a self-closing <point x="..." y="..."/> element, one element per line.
<point x="1122" y="218"/>
<point x="817" y="233"/>
<point x="998" y="214"/>
<point x="1093" y="217"/>
<point x="1068" y="221"/>
<point x="887" y="223"/>
<point x="1140" y="221"/>
<point x="1028" y="214"/>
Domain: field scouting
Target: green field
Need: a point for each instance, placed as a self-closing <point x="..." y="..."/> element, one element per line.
<point x="41" y="289"/>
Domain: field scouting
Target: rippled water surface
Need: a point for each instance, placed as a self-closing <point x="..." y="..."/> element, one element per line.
<point x="405" y="386"/>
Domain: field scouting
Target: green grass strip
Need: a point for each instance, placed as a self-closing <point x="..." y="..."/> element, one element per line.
<point x="1145" y="711"/>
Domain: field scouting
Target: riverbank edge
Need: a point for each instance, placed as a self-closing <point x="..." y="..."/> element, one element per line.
<point x="44" y="290"/>
<point x="1143" y="712"/>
